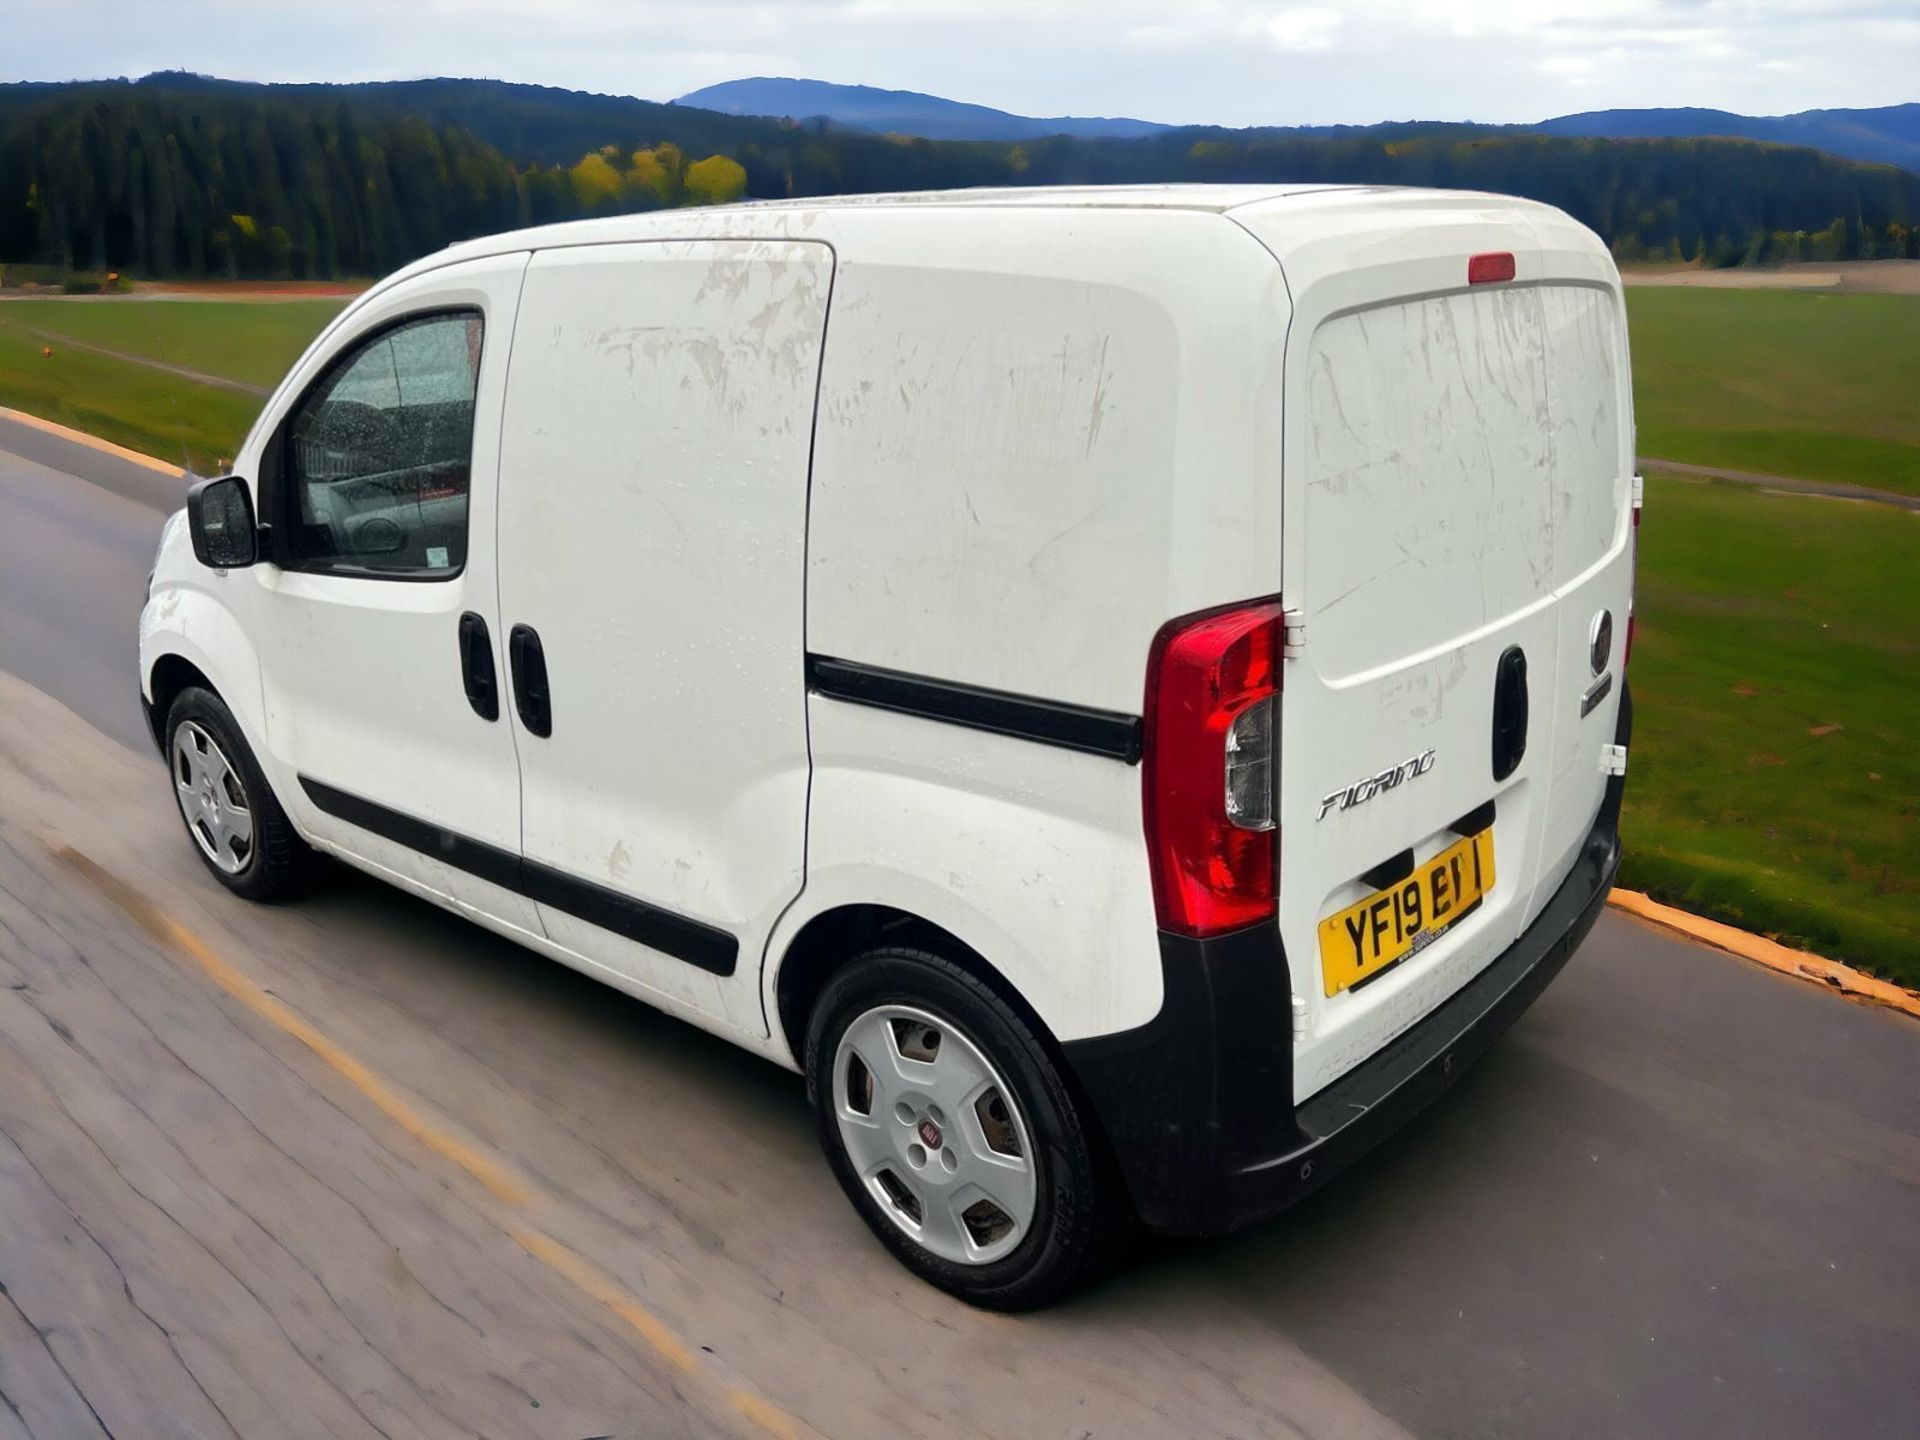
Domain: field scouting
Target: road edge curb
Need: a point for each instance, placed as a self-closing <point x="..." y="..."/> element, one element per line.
<point x="92" y="442"/>
<point x="1799" y="964"/>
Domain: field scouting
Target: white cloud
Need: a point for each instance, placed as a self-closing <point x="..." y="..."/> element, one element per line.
<point x="1304" y="27"/>
<point x="1234" y="62"/>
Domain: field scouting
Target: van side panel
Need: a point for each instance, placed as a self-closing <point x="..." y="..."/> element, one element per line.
<point x="1029" y="854"/>
<point x="1029" y="457"/>
<point x="652" y="532"/>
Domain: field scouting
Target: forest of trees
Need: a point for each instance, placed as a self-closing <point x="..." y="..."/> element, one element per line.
<point x="182" y="176"/>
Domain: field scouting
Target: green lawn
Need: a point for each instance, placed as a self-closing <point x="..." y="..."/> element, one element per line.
<point x="133" y="405"/>
<point x="1775" y="778"/>
<point x="1822" y="387"/>
<point x="141" y="406"/>
<point x="251" y="341"/>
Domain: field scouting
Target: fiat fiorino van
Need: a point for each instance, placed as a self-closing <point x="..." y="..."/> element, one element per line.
<point x="1123" y="688"/>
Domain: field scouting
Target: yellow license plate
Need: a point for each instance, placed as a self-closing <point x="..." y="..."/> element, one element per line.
<point x="1391" y="924"/>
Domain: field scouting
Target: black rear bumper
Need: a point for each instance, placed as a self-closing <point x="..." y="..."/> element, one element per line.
<point x="1197" y="1101"/>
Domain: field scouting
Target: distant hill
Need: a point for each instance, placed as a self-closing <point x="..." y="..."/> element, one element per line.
<point x="1889" y="135"/>
<point x="187" y="175"/>
<point x="901" y="112"/>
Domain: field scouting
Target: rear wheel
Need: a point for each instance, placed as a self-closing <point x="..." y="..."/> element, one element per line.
<point x="242" y="834"/>
<point x="952" y="1133"/>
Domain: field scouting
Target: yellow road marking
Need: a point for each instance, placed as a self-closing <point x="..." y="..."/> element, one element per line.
<point x="566" y="1263"/>
<point x="272" y="1009"/>
<point x="774" y="1422"/>
<point x="92" y="442"/>
<point x="551" y="1252"/>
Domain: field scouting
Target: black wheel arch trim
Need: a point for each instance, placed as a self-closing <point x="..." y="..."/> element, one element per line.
<point x="704" y="946"/>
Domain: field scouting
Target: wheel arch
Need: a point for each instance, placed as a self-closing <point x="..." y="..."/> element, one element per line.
<point x="828" y="942"/>
<point x="839" y="935"/>
<point x="191" y="636"/>
<point x="170" y="674"/>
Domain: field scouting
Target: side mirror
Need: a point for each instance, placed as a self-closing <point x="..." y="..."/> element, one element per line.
<point x="220" y="520"/>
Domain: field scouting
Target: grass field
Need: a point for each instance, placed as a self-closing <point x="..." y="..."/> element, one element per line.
<point x="250" y="341"/>
<point x="143" y="406"/>
<point x="134" y="405"/>
<point x="1775" y="779"/>
<point x="1820" y="387"/>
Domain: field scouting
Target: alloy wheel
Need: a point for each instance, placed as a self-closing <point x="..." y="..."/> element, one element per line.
<point x="213" y="798"/>
<point x="935" y="1133"/>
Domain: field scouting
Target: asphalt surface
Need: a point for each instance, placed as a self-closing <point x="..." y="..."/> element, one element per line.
<point x="1679" y="1199"/>
<point x="74" y="558"/>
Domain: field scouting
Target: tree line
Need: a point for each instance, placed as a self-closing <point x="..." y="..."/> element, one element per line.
<point x="179" y="176"/>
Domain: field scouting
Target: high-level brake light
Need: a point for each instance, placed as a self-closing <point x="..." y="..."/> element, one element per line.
<point x="1488" y="269"/>
<point x="1209" y="769"/>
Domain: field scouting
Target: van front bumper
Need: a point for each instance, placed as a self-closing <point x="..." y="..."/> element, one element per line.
<point x="1197" y="1102"/>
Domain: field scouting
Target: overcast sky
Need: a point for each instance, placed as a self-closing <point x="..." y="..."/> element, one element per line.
<point x="1231" y="62"/>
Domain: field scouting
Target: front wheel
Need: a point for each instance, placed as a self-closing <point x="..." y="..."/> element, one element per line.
<point x="951" y="1131"/>
<point x="231" y="815"/>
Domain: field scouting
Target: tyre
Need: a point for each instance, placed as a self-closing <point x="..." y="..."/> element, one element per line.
<point x="236" y="825"/>
<point x="953" y="1134"/>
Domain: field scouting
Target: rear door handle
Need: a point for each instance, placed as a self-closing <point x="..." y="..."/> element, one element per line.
<point x="476" y="667"/>
<point x="529" y="661"/>
<point x="1509" y="711"/>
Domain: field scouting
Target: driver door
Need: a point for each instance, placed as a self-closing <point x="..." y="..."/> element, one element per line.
<point x="379" y="610"/>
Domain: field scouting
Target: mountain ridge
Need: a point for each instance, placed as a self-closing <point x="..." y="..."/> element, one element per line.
<point x="1886" y="134"/>
<point x="910" y="112"/>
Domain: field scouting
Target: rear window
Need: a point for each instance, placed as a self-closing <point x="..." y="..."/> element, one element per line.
<point x="1463" y="459"/>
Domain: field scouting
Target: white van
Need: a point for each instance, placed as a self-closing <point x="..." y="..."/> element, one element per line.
<point x="1123" y="687"/>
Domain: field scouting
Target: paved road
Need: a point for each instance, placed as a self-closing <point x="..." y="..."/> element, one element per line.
<point x="74" y="557"/>
<point x="356" y="1167"/>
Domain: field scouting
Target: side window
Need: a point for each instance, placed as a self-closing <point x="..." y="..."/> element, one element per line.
<point x="378" y="454"/>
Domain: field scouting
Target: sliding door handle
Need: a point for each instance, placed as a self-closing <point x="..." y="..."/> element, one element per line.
<point x="476" y="667"/>
<point x="529" y="661"/>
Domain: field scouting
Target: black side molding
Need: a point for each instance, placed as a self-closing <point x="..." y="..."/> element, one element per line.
<point x="699" y="944"/>
<point x="1048" y="722"/>
<point x="693" y="941"/>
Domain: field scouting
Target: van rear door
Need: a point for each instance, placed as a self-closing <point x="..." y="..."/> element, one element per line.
<point x="1456" y="489"/>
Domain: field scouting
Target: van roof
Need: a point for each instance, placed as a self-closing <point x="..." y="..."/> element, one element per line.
<point x="1215" y="198"/>
<point x="1281" y="215"/>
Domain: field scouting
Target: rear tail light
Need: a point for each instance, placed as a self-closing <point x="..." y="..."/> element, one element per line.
<point x="1210" y="766"/>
